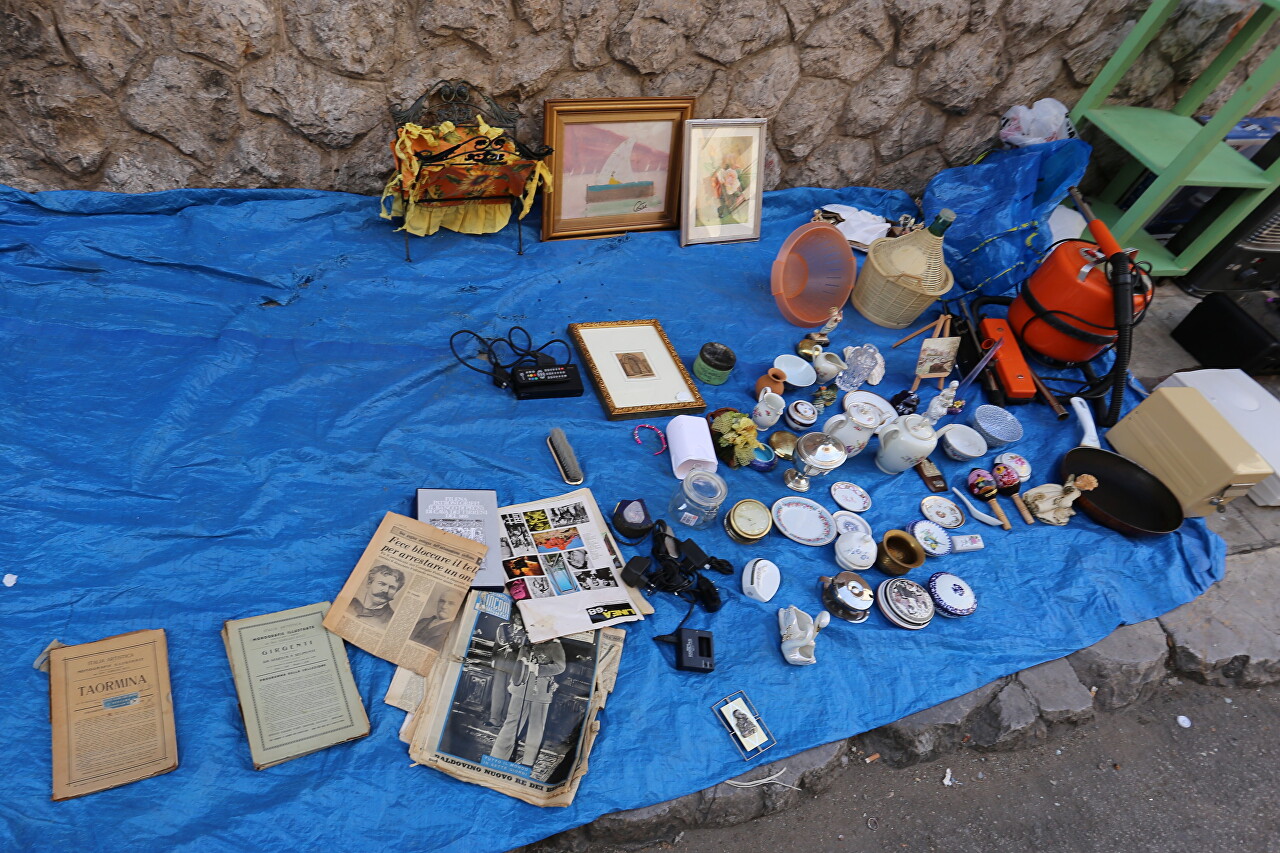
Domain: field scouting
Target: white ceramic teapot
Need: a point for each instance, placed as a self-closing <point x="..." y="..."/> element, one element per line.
<point x="906" y="441"/>
<point x="854" y="428"/>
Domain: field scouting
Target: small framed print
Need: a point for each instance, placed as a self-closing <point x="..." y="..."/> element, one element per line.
<point x="635" y="370"/>
<point x="744" y="724"/>
<point x="615" y="166"/>
<point x="722" y="185"/>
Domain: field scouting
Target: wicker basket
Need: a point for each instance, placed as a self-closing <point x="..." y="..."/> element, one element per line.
<point x="900" y="279"/>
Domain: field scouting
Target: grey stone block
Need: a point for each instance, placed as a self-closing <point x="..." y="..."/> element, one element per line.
<point x="812" y="771"/>
<point x="1008" y="721"/>
<point x="1229" y="635"/>
<point x="927" y="734"/>
<point x="1124" y="666"/>
<point x="1056" y="691"/>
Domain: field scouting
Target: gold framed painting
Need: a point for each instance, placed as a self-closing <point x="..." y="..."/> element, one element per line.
<point x="723" y="189"/>
<point x="615" y="166"/>
<point x="635" y="370"/>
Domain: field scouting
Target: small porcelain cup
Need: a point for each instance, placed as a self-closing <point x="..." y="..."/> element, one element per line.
<point x="768" y="409"/>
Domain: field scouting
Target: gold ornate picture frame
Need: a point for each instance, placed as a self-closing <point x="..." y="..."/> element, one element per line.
<point x="635" y="369"/>
<point x="615" y="167"/>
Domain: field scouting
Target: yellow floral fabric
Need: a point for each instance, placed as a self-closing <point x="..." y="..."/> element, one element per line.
<point x="441" y="170"/>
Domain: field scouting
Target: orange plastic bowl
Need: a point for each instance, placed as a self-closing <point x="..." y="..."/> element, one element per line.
<point x="813" y="273"/>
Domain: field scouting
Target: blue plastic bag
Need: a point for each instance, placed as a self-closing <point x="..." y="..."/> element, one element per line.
<point x="1002" y="208"/>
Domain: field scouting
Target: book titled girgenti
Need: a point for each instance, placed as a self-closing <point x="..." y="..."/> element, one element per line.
<point x="297" y="694"/>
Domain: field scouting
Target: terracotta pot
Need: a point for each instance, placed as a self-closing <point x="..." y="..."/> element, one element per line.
<point x="773" y="380"/>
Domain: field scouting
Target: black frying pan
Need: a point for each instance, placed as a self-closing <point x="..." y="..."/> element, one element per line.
<point x="1129" y="498"/>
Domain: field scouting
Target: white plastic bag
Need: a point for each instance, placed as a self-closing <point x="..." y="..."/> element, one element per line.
<point x="1044" y="121"/>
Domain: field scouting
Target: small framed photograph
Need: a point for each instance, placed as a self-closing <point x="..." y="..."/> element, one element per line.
<point x="744" y="724"/>
<point x="635" y="370"/>
<point x="722" y="190"/>
<point x="615" y="166"/>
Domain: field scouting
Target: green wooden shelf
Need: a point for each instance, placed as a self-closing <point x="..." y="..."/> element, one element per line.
<point x="1176" y="149"/>
<point x="1163" y="262"/>
<point x="1156" y="138"/>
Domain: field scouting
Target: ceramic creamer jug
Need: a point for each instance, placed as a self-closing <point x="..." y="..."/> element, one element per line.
<point x="905" y="441"/>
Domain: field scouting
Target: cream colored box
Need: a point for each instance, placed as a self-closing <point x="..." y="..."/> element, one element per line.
<point x="1179" y="436"/>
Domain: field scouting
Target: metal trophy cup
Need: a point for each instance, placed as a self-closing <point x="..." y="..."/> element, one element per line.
<point x="816" y="454"/>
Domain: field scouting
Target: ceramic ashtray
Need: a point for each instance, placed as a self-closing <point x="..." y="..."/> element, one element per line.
<point x="951" y="595"/>
<point x="905" y="603"/>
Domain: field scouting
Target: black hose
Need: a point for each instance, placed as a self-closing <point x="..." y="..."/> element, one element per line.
<point x="1122" y="285"/>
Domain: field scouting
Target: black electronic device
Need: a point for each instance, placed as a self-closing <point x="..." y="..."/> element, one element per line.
<point x="695" y="650"/>
<point x="545" y="382"/>
<point x="1233" y="331"/>
<point x="1246" y="260"/>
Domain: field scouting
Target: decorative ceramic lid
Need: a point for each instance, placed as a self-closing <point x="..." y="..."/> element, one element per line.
<point x="1017" y="462"/>
<point x="905" y="603"/>
<point x="855" y="551"/>
<point x="802" y="412"/>
<point x="942" y="511"/>
<point x="863" y="414"/>
<point x="935" y="541"/>
<point x="917" y="426"/>
<point x="951" y="595"/>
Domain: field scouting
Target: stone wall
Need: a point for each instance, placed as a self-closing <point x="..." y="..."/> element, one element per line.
<point x="138" y="95"/>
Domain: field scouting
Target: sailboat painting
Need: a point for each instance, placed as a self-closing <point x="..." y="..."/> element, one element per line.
<point x="614" y="168"/>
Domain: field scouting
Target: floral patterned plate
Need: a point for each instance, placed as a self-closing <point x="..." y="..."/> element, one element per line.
<point x="804" y="521"/>
<point x="942" y="511"/>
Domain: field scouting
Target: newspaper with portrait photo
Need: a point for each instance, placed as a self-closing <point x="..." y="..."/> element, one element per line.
<point x="405" y="591"/>
<point x="516" y="716"/>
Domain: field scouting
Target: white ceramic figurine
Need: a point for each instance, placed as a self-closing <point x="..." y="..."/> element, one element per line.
<point x="799" y="634"/>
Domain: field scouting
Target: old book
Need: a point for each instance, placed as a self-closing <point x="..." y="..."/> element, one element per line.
<point x="112" y="713"/>
<point x="405" y="591"/>
<point x="472" y="514"/>
<point x="297" y="694"/>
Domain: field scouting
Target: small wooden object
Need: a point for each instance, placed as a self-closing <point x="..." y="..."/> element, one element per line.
<point x="982" y="485"/>
<point x="1009" y="484"/>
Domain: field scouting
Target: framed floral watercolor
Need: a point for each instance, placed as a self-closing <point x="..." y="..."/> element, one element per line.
<point x="722" y="190"/>
<point x="616" y="165"/>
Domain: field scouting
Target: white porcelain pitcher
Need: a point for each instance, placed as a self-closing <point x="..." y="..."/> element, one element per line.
<point x="854" y="428"/>
<point x="768" y="409"/>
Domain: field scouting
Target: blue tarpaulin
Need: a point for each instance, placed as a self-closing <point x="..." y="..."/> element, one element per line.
<point x="210" y="399"/>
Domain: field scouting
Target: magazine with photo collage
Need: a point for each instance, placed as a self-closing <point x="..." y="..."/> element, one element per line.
<point x="516" y="716"/>
<point x="562" y="567"/>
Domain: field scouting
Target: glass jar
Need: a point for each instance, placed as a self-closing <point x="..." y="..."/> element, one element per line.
<point x="697" y="500"/>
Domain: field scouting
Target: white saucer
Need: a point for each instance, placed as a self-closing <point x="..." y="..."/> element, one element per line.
<point x="850" y="522"/>
<point x="850" y="496"/>
<point x="804" y="521"/>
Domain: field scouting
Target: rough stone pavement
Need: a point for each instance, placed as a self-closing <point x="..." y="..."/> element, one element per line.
<point x="1227" y="637"/>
